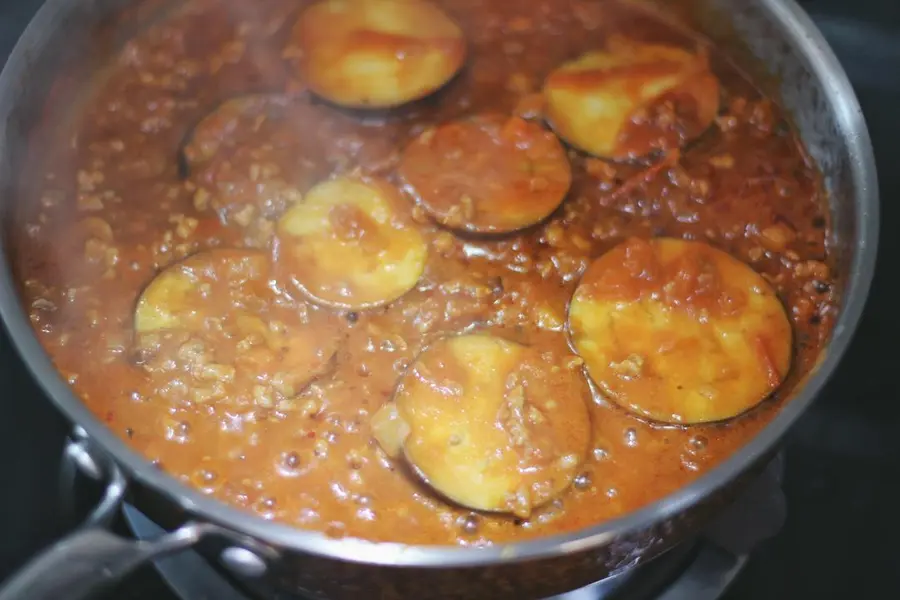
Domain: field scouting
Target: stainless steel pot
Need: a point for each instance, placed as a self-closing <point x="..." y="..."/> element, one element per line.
<point x="772" y="36"/>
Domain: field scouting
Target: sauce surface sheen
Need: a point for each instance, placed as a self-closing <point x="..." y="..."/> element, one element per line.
<point x="119" y="202"/>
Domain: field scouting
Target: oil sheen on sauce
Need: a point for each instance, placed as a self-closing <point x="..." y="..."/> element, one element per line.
<point x="143" y="180"/>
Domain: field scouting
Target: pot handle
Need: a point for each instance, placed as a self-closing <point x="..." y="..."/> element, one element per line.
<point x="90" y="560"/>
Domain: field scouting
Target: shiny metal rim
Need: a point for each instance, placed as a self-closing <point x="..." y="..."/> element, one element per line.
<point x="808" y="42"/>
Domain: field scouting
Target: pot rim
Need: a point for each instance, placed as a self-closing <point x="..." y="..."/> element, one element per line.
<point x="808" y="41"/>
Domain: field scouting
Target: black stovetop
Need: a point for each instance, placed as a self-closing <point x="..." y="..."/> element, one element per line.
<point x="842" y="478"/>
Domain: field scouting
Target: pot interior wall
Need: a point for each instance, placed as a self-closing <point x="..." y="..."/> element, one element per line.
<point x="753" y="36"/>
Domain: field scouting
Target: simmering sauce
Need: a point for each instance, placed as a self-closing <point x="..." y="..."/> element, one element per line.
<point x="370" y="283"/>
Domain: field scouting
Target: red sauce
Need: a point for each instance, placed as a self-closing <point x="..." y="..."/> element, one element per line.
<point x="308" y="457"/>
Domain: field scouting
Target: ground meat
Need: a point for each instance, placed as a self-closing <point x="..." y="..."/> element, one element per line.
<point x="124" y="198"/>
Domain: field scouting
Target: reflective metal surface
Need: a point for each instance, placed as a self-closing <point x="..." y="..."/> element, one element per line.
<point x="856" y="154"/>
<point x="767" y="21"/>
<point x="840" y="502"/>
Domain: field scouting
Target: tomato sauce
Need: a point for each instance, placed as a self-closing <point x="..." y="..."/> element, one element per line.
<point x="123" y="200"/>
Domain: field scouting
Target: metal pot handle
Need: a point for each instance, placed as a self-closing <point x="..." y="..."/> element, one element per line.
<point x="91" y="559"/>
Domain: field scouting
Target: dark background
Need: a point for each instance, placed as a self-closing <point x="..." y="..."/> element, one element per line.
<point x="842" y="482"/>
